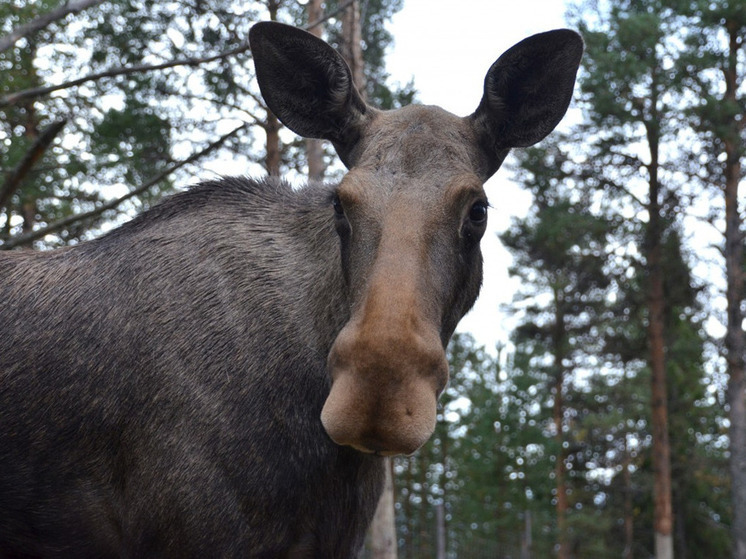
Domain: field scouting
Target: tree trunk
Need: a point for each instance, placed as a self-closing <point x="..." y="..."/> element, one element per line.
<point x="406" y="504"/>
<point x="734" y="337"/>
<point x="440" y="530"/>
<point x="273" y="157"/>
<point x="272" y="124"/>
<point x="383" y="527"/>
<point x="563" y="550"/>
<point x="352" y="46"/>
<point x="526" y="539"/>
<point x="315" y="147"/>
<point x="423" y="536"/>
<point x="629" y="524"/>
<point x="663" y="513"/>
<point x="560" y="467"/>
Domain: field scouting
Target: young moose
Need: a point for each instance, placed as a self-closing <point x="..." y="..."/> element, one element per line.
<point x="221" y="376"/>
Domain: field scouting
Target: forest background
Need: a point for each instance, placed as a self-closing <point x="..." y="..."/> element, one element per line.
<point x="610" y="421"/>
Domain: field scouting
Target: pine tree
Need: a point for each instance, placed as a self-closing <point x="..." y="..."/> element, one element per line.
<point x="630" y="99"/>
<point x="559" y="254"/>
<point x="714" y="74"/>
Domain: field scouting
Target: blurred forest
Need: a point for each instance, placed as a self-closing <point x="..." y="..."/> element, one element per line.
<point x="614" y="423"/>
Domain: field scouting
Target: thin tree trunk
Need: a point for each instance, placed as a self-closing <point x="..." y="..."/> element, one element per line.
<point x="629" y="524"/>
<point x="663" y="513"/>
<point x="352" y="46"/>
<point x="560" y="467"/>
<point x="273" y="157"/>
<point x="383" y="527"/>
<point x="440" y="530"/>
<point x="563" y="551"/>
<point x="734" y="337"/>
<point x="526" y="539"/>
<point x="315" y="147"/>
<point x="272" y="125"/>
<point x="406" y="504"/>
<point x="423" y="537"/>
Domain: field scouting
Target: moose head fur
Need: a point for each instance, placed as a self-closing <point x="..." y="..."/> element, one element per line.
<point x="409" y="215"/>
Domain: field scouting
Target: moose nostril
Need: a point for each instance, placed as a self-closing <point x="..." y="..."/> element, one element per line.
<point x="386" y="380"/>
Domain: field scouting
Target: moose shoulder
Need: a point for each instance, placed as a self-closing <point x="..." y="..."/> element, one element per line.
<point x="221" y="376"/>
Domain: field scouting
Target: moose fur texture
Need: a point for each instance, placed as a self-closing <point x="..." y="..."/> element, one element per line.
<point x="221" y="375"/>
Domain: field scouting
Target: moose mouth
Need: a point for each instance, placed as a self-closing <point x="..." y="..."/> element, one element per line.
<point x="384" y="394"/>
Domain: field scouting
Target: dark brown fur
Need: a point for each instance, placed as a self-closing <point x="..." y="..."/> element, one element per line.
<point x="178" y="387"/>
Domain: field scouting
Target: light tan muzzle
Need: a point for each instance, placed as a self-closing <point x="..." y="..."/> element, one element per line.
<point x="386" y="379"/>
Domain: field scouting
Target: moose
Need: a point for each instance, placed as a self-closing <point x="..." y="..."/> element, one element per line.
<point x="223" y="375"/>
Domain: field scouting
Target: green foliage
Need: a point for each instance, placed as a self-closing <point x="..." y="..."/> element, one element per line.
<point x="125" y="129"/>
<point x="580" y="256"/>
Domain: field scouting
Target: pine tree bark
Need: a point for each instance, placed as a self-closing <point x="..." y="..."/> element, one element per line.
<point x="315" y="147"/>
<point x="656" y="303"/>
<point x="560" y="473"/>
<point x="629" y="525"/>
<point x="734" y="337"/>
<point x="273" y="157"/>
<point x="383" y="527"/>
<point x="560" y="467"/>
<point x="440" y="531"/>
<point x="527" y="538"/>
<point x="352" y="46"/>
<point x="272" y="125"/>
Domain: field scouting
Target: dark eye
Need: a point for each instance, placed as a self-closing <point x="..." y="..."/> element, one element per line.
<point x="478" y="212"/>
<point x="338" y="209"/>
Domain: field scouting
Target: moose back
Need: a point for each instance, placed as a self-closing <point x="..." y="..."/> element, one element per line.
<point x="222" y="375"/>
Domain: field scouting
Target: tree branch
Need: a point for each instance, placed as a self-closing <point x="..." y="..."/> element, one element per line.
<point x="72" y="7"/>
<point x="16" y="176"/>
<point x="321" y="20"/>
<point x="62" y="223"/>
<point x="14" y="98"/>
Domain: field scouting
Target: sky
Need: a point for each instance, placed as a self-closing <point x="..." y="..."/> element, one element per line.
<point x="447" y="51"/>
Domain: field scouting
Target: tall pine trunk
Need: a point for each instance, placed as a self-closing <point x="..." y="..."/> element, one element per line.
<point x="560" y="472"/>
<point x="352" y="45"/>
<point x="629" y="521"/>
<point x="656" y="304"/>
<point x="734" y="337"/>
<point x="271" y="125"/>
<point x="383" y="527"/>
<point x="559" y="342"/>
<point x="315" y="147"/>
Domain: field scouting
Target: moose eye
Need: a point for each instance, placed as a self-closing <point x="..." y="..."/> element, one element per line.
<point x="478" y="212"/>
<point x="337" y="204"/>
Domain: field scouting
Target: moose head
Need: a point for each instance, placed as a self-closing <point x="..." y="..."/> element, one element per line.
<point x="409" y="214"/>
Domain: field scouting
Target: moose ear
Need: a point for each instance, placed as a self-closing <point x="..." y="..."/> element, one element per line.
<point x="308" y="85"/>
<point x="527" y="92"/>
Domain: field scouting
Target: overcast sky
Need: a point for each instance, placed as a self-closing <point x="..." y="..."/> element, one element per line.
<point x="448" y="52"/>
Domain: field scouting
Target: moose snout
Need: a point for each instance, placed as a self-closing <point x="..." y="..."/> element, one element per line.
<point x="385" y="388"/>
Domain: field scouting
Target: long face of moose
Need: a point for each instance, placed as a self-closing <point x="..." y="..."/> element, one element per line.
<point x="409" y="214"/>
